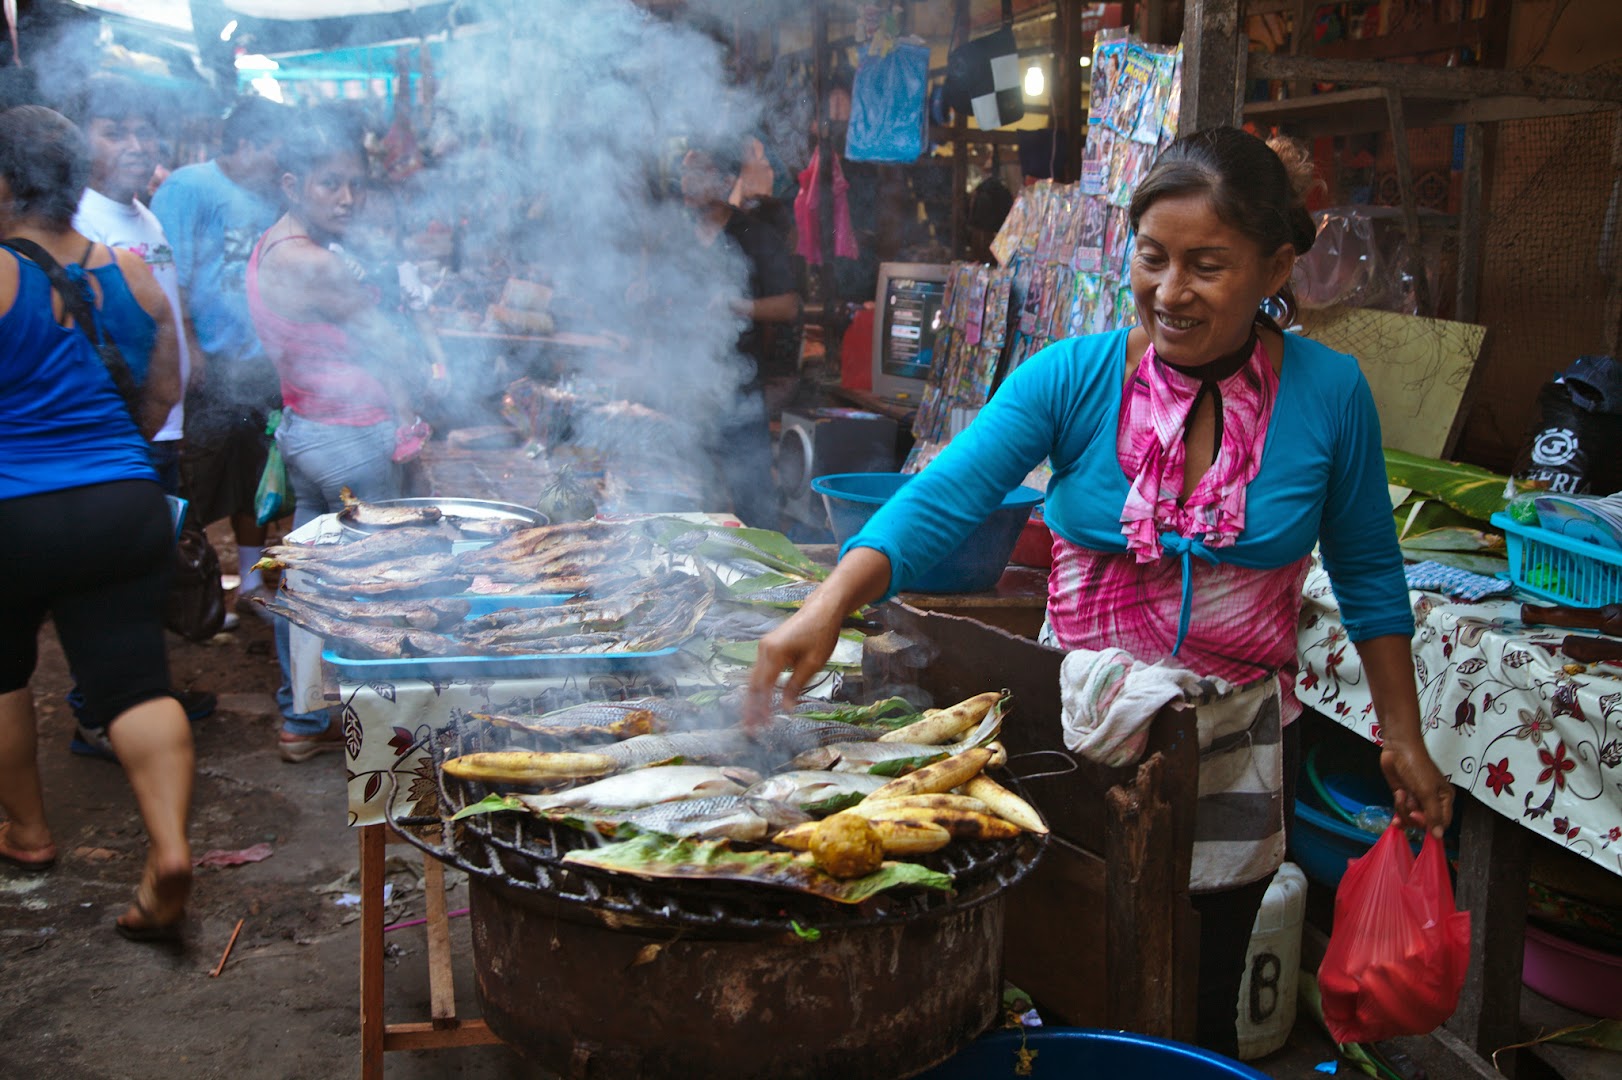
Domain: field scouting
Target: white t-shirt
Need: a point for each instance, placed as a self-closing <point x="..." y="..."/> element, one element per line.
<point x="133" y="227"/>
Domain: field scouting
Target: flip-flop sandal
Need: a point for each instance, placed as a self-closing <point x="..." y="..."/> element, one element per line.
<point x="14" y="857"/>
<point x="152" y="931"/>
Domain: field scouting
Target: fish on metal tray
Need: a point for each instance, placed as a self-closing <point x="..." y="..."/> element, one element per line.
<point x="425" y="614"/>
<point x="817" y="791"/>
<point x="370" y="515"/>
<point x="555" y="646"/>
<point x="387" y="546"/>
<point x="360" y="641"/>
<point x="486" y="528"/>
<point x="417" y="569"/>
<point x="645" y="787"/>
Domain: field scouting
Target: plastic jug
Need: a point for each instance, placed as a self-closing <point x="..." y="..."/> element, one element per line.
<point x="1273" y="966"/>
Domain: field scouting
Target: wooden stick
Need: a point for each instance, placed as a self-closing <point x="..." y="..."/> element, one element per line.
<point x="226" y="955"/>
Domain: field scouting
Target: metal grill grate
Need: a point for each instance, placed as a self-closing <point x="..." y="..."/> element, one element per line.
<point x="525" y="854"/>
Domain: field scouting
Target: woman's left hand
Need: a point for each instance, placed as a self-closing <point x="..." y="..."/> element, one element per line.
<point x="1423" y="795"/>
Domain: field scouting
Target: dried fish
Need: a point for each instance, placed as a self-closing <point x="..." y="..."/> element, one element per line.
<point x="427" y="614"/>
<point x="370" y="642"/>
<point x="370" y="515"/>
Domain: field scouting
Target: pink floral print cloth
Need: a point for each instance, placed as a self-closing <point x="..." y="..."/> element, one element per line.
<point x="1154" y="413"/>
<point x="1168" y="594"/>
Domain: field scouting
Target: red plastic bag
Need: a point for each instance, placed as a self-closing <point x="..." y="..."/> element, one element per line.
<point x="1397" y="957"/>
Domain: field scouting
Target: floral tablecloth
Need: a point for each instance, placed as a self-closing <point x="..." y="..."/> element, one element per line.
<point x="387" y="725"/>
<point x="1503" y="715"/>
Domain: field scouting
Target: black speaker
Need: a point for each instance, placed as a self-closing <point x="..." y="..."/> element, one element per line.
<point x="817" y="442"/>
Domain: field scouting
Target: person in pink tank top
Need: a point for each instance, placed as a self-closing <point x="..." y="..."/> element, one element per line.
<point x="347" y="420"/>
<point x="346" y="411"/>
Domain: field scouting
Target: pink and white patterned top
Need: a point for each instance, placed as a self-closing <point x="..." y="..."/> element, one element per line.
<point x="1165" y="595"/>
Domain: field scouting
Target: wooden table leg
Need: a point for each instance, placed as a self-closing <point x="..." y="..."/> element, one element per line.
<point x="1494" y="864"/>
<point x="441" y="986"/>
<point x="372" y="840"/>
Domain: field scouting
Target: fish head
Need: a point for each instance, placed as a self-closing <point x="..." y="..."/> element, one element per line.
<point x="821" y="757"/>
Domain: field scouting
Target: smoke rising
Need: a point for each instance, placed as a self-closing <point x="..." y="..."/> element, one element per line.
<point x="572" y="126"/>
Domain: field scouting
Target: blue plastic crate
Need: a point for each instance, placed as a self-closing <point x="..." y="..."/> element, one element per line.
<point x="1558" y="568"/>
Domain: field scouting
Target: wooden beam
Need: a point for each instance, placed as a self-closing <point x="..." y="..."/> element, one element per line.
<point x="1410" y="198"/>
<point x="421" y="1036"/>
<point x="960" y="157"/>
<point x="1343" y="112"/>
<point x="1494" y="860"/>
<point x="1427" y="78"/>
<point x="1611" y="235"/>
<point x="1438" y="37"/>
<point x="1213" y="36"/>
<point x="1471" y="199"/>
<point x="825" y="175"/>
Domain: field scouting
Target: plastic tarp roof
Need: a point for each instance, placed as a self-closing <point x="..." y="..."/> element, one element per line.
<point x="291" y="10"/>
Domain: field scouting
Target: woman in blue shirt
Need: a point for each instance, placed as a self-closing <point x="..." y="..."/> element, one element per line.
<point x="85" y="532"/>
<point x="1197" y="458"/>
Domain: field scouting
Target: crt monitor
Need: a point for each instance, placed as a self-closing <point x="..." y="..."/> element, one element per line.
<point x="906" y="318"/>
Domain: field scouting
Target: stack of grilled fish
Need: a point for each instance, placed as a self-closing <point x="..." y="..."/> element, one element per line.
<point x="666" y="777"/>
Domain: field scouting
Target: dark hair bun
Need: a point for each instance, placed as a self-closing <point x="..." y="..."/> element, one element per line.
<point x="1297" y="162"/>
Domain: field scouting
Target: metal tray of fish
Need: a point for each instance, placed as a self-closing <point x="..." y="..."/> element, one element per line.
<point x="513" y="665"/>
<point x="465" y="509"/>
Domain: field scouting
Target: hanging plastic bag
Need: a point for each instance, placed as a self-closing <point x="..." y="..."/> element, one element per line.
<point x="1397" y="957"/>
<point x="274" y="497"/>
<point x="887" y="106"/>
<point x="807" y="210"/>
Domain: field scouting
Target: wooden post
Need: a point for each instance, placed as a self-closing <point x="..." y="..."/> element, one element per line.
<point x="1613" y="257"/>
<point x="1213" y="40"/>
<point x="1140" y="915"/>
<point x="372" y="841"/>
<point x="960" y="148"/>
<point x="441" y="985"/>
<point x="1410" y="197"/>
<point x="1471" y="198"/>
<point x="1494" y="859"/>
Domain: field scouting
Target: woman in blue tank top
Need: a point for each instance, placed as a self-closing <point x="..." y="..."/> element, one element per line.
<point x="85" y="532"/>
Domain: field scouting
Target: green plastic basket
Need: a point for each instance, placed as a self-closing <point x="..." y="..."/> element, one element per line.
<point x="1561" y="569"/>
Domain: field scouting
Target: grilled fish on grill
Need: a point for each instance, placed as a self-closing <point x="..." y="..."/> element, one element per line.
<point x="779" y="740"/>
<point x="356" y="512"/>
<point x="592" y="721"/>
<point x="644" y="787"/>
<point x="720" y="817"/>
<point x="893" y="758"/>
<point x="817" y="790"/>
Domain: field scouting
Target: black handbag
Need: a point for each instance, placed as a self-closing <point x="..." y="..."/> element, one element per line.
<point x="195" y="606"/>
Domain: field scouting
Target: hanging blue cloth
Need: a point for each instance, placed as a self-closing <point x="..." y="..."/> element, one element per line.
<point x="887" y="106"/>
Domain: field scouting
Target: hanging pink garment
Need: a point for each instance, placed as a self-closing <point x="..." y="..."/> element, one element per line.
<point x="806" y="206"/>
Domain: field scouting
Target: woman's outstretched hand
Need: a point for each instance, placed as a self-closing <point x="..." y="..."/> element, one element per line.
<point x="802" y="645"/>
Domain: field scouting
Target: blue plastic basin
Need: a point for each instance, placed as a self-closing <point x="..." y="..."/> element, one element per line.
<point x="1321" y="844"/>
<point x="978" y="562"/>
<point x="1073" y="1053"/>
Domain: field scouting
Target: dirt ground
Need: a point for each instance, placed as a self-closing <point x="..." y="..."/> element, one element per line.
<point x="77" y="1002"/>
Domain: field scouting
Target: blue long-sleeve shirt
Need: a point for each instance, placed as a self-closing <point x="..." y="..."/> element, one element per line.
<point x="1322" y="477"/>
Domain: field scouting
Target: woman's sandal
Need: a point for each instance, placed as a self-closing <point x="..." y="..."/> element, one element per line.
<point x="149" y="930"/>
<point x="37" y="863"/>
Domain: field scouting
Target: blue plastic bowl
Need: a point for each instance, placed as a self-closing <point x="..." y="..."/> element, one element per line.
<point x="1084" y="1052"/>
<point x="975" y="566"/>
<point x="1321" y="844"/>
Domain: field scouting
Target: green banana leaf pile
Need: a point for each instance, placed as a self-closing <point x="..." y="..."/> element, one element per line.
<point x="1444" y="508"/>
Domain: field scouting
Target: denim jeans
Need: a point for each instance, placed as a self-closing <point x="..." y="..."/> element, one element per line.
<point x="321" y="459"/>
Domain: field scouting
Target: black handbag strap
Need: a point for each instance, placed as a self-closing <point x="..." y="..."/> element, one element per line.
<point x="76" y="298"/>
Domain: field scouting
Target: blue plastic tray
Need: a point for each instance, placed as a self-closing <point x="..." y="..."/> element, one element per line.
<point x="530" y="665"/>
<point x="1557" y="567"/>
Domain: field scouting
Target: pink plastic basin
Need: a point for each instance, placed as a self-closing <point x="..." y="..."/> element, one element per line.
<point x="1573" y="975"/>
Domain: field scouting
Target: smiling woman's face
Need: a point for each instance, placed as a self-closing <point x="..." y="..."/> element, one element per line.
<point x="1198" y="281"/>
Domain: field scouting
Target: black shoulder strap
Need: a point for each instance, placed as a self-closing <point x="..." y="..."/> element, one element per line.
<point x="84" y="317"/>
